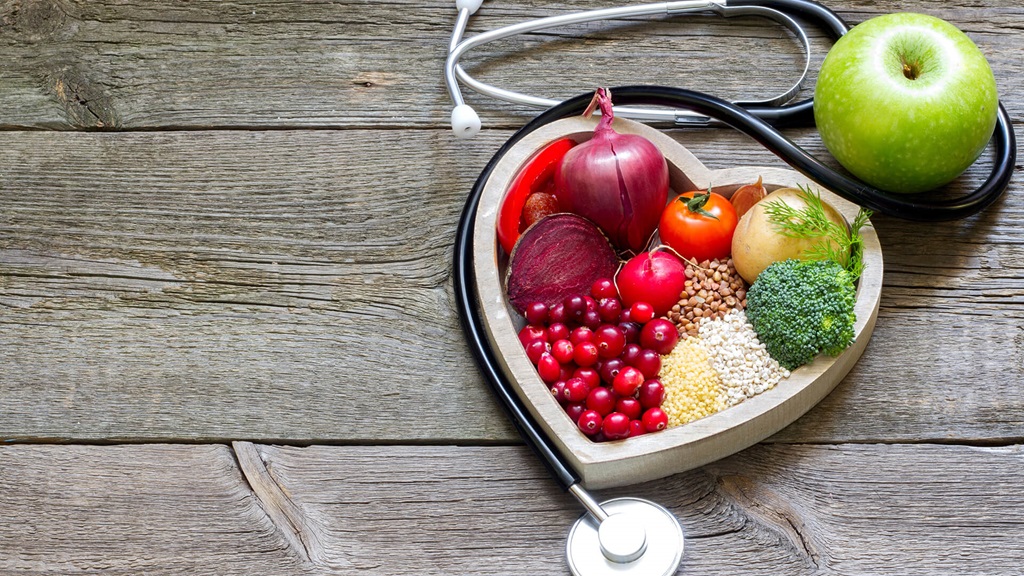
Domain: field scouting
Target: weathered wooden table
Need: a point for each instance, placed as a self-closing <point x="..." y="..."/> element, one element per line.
<point x="227" y="334"/>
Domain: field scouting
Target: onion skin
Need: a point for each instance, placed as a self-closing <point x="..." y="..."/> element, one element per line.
<point x="618" y="181"/>
<point x="744" y="198"/>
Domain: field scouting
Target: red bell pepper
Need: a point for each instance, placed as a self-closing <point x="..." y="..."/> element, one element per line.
<point x="536" y="176"/>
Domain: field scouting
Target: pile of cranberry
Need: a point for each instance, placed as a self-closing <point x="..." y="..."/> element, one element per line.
<point x="602" y="360"/>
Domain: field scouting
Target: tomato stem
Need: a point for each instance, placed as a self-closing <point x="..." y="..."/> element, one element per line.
<point x="696" y="204"/>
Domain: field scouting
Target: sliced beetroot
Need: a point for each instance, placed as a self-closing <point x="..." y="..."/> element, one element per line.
<point x="561" y="255"/>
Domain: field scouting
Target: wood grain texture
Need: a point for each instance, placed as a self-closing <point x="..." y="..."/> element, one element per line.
<point x="268" y="285"/>
<point x="117" y="65"/>
<point x="233" y="280"/>
<point x="231" y="222"/>
<point x="901" y="510"/>
<point x="133" y="510"/>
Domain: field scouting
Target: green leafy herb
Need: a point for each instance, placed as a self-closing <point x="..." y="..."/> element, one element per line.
<point x="839" y="243"/>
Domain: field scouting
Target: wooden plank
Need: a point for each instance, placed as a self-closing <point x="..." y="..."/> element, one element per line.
<point x="225" y="285"/>
<point x="117" y="65"/>
<point x="131" y="510"/>
<point x="390" y="510"/>
<point x="265" y="285"/>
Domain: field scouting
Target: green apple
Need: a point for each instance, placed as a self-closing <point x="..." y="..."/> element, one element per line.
<point x="905" y="102"/>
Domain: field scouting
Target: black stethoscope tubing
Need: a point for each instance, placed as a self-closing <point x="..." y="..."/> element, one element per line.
<point x="918" y="207"/>
<point x="757" y="121"/>
<point x="466" y="295"/>
<point x="744" y="121"/>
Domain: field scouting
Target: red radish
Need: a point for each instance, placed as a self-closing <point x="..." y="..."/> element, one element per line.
<point x="657" y="278"/>
<point x="620" y="181"/>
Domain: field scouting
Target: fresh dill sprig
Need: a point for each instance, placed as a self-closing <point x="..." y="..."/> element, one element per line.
<point x="839" y="243"/>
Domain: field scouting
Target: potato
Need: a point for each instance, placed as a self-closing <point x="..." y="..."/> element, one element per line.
<point x="756" y="243"/>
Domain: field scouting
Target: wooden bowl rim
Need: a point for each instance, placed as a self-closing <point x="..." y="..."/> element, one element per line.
<point x="680" y="448"/>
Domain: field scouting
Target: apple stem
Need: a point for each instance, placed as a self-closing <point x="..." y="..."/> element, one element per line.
<point x="911" y="70"/>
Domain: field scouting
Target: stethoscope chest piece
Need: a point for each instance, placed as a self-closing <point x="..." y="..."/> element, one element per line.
<point x="637" y="537"/>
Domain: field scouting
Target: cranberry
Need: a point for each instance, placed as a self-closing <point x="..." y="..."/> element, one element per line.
<point x="630" y="353"/>
<point x="557" y="331"/>
<point x="615" y="426"/>
<point x="557" y="313"/>
<point x="548" y="368"/>
<point x="648" y="362"/>
<point x="641" y="312"/>
<point x="576" y="390"/>
<point x="655" y="419"/>
<point x="535" y="349"/>
<point x="609" y="309"/>
<point x="575" y="410"/>
<point x="537" y="313"/>
<point x="562" y="350"/>
<point x="651" y="393"/>
<point x="610" y="341"/>
<point x="529" y="333"/>
<point x="566" y="371"/>
<point x="636" y="428"/>
<point x="630" y="407"/>
<point x="581" y="334"/>
<point x="575" y="308"/>
<point x="624" y="316"/>
<point x="659" y="335"/>
<point x="589" y="375"/>
<point x="601" y="400"/>
<point x="558" y="391"/>
<point x="604" y="288"/>
<point x="585" y="354"/>
<point x="631" y="330"/>
<point x="610" y="369"/>
<point x="627" y="381"/>
<point x="591" y="304"/>
<point x="590" y="422"/>
<point x="592" y="319"/>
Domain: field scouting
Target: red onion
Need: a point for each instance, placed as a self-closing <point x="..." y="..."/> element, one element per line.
<point x="619" y="181"/>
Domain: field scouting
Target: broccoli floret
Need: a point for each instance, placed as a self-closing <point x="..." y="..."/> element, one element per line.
<point x="801" y="308"/>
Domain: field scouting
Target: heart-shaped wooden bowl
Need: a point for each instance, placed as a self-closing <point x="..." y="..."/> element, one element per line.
<point x="679" y="448"/>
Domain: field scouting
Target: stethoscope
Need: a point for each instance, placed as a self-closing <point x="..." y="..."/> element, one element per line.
<point x="634" y="535"/>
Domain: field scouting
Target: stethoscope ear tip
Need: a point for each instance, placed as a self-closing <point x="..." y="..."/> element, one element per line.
<point x="465" y="122"/>
<point x="471" y="5"/>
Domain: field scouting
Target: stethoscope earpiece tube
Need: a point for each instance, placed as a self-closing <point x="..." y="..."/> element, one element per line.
<point x="825" y="18"/>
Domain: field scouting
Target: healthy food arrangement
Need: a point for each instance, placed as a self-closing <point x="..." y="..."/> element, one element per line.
<point x="647" y="308"/>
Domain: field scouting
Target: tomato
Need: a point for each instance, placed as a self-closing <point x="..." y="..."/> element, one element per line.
<point x="699" y="225"/>
<point x="536" y="176"/>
